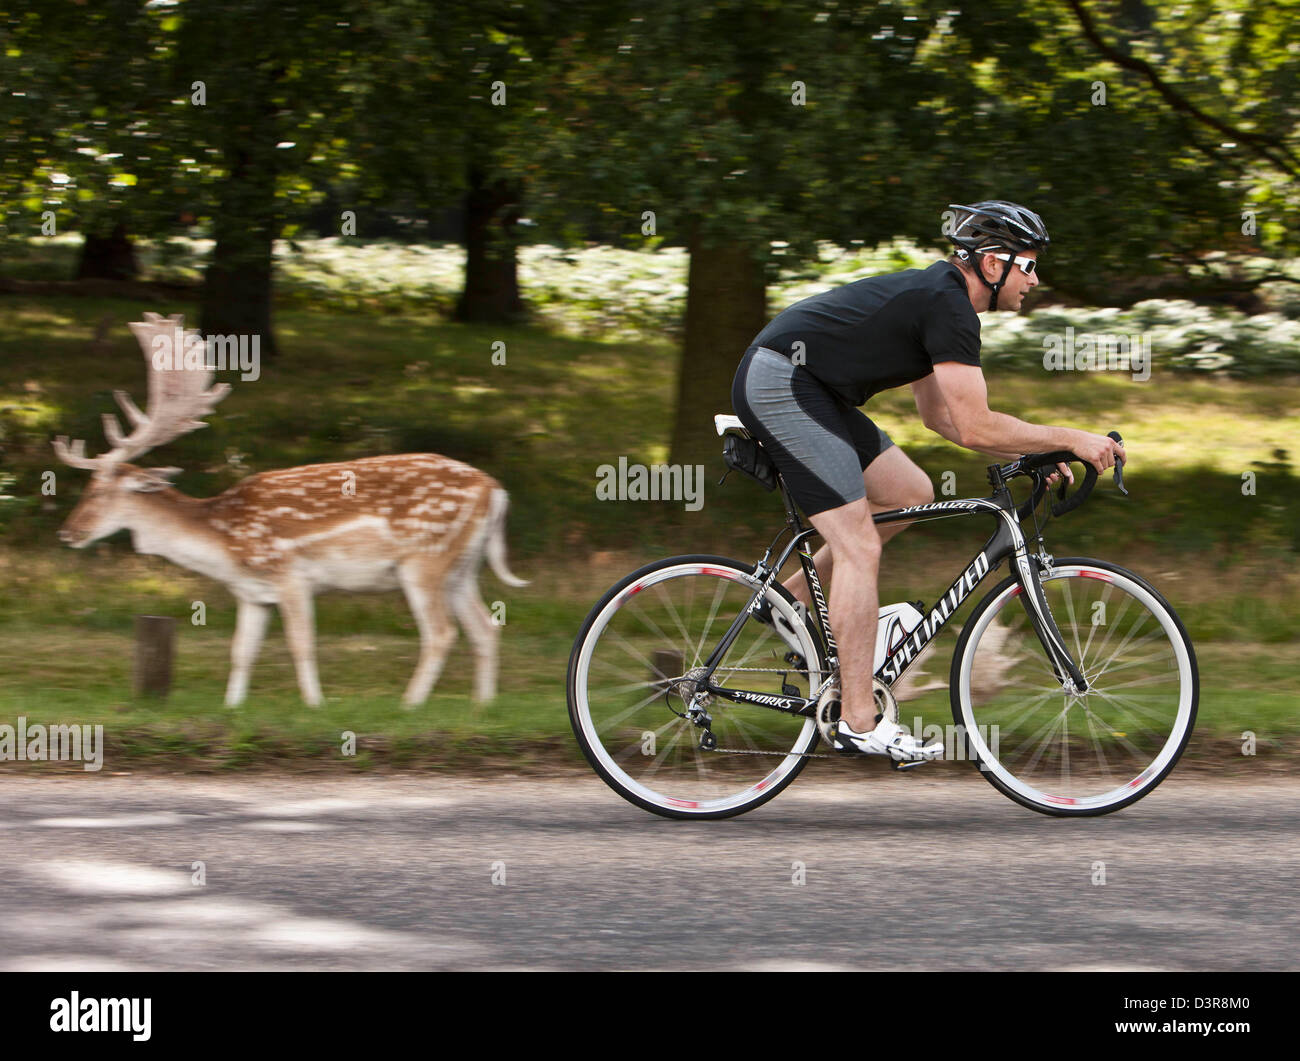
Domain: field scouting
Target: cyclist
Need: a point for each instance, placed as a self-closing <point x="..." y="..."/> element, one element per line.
<point x="797" y="390"/>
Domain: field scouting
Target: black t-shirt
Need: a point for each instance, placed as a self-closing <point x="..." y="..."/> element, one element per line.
<point x="880" y="332"/>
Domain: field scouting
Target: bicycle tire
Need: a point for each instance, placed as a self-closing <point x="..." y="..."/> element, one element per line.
<point x="668" y="773"/>
<point x="1125" y="741"/>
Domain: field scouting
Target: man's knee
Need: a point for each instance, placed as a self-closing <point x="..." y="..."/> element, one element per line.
<point x="859" y="549"/>
<point x="922" y="490"/>
<point x="851" y="534"/>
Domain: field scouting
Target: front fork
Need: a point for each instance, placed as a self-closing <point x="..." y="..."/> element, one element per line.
<point x="1031" y="568"/>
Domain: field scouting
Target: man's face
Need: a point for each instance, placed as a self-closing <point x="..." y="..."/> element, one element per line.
<point x="1013" y="291"/>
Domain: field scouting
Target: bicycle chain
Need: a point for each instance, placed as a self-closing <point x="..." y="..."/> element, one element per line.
<point x="765" y="670"/>
<point x="748" y="751"/>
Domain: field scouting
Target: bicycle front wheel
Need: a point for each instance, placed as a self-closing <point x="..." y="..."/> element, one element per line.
<point x="630" y="685"/>
<point x="1072" y="754"/>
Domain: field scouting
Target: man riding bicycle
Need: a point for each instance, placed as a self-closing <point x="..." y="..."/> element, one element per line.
<point x="797" y="391"/>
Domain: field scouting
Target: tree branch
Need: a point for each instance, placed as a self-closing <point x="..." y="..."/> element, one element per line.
<point x="1269" y="148"/>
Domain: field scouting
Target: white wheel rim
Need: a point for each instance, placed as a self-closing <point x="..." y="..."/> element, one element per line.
<point x="783" y="767"/>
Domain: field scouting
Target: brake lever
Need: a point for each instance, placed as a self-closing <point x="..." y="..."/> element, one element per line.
<point x="1119" y="463"/>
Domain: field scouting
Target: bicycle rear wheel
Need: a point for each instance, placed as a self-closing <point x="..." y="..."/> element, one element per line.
<point x="629" y="687"/>
<point x="1075" y="755"/>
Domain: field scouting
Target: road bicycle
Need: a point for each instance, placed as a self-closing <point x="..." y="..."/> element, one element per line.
<point x="1073" y="683"/>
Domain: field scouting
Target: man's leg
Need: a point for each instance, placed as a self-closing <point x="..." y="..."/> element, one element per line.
<point x="892" y="481"/>
<point x="854" y="605"/>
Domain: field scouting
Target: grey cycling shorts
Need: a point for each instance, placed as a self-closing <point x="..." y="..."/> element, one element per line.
<point x="820" y="444"/>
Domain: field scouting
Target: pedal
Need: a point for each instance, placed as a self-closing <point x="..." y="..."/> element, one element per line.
<point x="907" y="764"/>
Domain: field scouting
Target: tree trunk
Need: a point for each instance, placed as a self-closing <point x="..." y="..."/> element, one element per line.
<point x="110" y="257"/>
<point x="236" y="296"/>
<point x="726" y="306"/>
<point x="491" y="294"/>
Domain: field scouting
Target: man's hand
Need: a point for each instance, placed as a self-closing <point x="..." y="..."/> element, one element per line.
<point x="1065" y="472"/>
<point x="1098" y="450"/>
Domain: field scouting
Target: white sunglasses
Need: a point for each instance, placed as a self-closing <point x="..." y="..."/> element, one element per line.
<point x="1027" y="265"/>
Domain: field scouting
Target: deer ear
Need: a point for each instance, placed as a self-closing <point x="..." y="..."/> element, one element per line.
<point x="151" y="480"/>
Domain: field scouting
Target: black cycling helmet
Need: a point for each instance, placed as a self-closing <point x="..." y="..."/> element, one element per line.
<point x="993" y="225"/>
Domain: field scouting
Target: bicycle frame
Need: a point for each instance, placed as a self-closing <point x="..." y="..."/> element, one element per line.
<point x="1007" y="542"/>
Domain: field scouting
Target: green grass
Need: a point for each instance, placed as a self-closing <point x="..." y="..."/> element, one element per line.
<point x="84" y="675"/>
<point x="67" y="653"/>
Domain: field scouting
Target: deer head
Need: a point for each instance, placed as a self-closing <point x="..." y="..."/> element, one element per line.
<point x="179" y="396"/>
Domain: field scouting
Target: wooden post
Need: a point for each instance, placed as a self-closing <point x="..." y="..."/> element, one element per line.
<point x="154" y="637"/>
<point x="666" y="663"/>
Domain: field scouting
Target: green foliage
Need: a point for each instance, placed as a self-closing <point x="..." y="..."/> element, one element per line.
<point x="781" y="120"/>
<point x="85" y="118"/>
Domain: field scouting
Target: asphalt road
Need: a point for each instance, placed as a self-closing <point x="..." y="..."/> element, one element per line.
<point x="439" y="872"/>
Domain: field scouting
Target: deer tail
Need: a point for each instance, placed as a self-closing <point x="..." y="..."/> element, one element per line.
<point x="496" y="541"/>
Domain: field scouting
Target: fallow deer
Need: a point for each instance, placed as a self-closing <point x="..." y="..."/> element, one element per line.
<point x="419" y="522"/>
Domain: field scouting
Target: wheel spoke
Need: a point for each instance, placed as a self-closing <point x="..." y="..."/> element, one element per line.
<point x="1047" y="730"/>
<point x="677" y="621"/>
<point x="1129" y="715"/>
<point x="635" y="652"/>
<point x="665" y="640"/>
<point x="1133" y="683"/>
<point x="708" y="623"/>
<point x="1124" y="644"/>
<point x="1073" y="623"/>
<point x="1120" y="736"/>
<point x="1098" y="747"/>
<point x="1092" y="631"/>
<point x="613" y="721"/>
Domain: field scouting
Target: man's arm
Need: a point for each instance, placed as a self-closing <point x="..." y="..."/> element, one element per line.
<point x="975" y="426"/>
<point x="933" y="407"/>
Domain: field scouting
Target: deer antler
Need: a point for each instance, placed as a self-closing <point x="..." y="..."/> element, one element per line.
<point x="76" y="456"/>
<point x="178" y="395"/>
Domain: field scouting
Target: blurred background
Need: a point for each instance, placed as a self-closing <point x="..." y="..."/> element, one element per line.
<point x="538" y="237"/>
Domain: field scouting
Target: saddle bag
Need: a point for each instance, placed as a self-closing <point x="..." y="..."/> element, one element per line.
<point x="747" y="457"/>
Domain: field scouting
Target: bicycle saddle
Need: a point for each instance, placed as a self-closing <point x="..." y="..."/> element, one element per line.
<point x="724" y="423"/>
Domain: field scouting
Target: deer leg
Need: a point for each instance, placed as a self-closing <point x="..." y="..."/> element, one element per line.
<point x="300" y="630"/>
<point x="418" y="581"/>
<point x="250" y="628"/>
<point x="481" y="631"/>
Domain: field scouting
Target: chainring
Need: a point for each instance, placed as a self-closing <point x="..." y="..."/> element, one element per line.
<point x="828" y="711"/>
<point x="828" y="707"/>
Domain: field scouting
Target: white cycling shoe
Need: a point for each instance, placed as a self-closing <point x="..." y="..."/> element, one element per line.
<point x="888" y="738"/>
